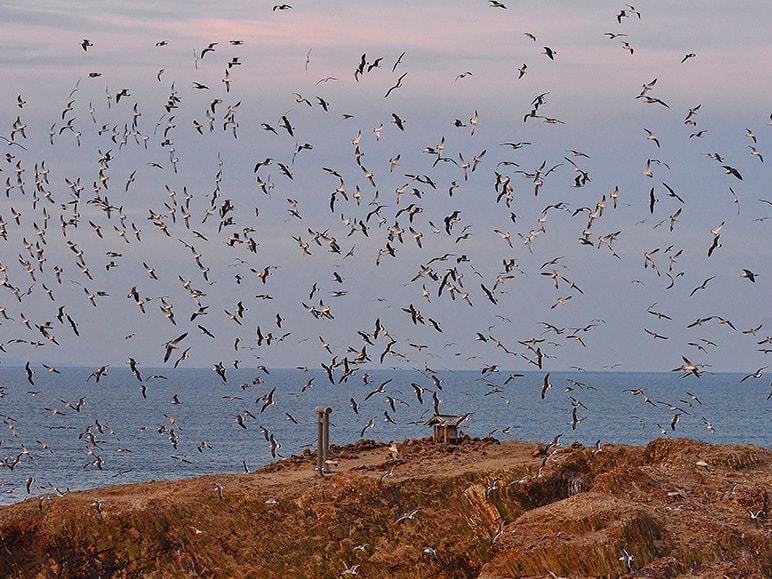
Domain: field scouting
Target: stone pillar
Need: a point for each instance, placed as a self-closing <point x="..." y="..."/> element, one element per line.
<point x="323" y="438"/>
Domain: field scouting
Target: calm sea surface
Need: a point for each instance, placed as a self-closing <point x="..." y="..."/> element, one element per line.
<point x="159" y="437"/>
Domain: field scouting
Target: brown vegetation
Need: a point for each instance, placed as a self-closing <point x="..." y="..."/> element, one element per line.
<point x="679" y="507"/>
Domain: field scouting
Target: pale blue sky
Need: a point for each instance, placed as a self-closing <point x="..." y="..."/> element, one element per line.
<point x="592" y="86"/>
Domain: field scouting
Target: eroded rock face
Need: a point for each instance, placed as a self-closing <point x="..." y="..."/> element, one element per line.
<point x="678" y="507"/>
<point x="481" y="508"/>
<point x="579" y="535"/>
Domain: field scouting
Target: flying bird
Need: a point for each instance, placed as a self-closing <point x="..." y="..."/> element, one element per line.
<point x="749" y="274"/>
<point x="369" y="425"/>
<point x="397" y="85"/>
<point x="408" y="516"/>
<point x="546" y="386"/>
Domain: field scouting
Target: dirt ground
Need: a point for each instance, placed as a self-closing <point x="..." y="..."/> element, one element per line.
<point x="482" y="508"/>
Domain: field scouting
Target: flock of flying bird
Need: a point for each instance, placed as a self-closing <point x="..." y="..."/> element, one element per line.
<point x="79" y="248"/>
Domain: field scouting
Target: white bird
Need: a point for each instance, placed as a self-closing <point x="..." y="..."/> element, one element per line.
<point x="411" y="515"/>
<point x="198" y="531"/>
<point x="755" y="516"/>
<point x="547" y="385"/>
<point x="370" y="424"/>
<point x="651" y="137"/>
<point x="627" y="558"/>
<point x="756" y="374"/>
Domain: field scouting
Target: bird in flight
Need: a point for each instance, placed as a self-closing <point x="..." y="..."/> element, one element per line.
<point x="397" y="85"/>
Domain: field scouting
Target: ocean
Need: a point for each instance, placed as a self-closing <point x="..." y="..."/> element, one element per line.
<point x="188" y="424"/>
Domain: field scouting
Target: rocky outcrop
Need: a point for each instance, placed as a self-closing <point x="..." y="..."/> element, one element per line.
<point x="481" y="508"/>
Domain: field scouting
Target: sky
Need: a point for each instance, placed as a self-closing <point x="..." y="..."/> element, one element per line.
<point x="591" y="280"/>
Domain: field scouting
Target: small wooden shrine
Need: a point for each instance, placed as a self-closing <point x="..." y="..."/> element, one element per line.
<point x="446" y="427"/>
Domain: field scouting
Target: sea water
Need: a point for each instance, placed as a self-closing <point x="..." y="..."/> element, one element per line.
<point x="168" y="433"/>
